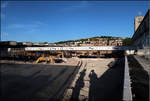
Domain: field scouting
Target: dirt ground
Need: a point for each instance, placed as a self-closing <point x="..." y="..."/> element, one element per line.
<point x="95" y="81"/>
<point x="34" y="82"/>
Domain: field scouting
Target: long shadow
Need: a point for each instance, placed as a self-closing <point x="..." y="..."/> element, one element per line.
<point x="24" y="87"/>
<point x="140" y="80"/>
<point x="79" y="85"/>
<point x="20" y="90"/>
<point x="59" y="95"/>
<point x="109" y="86"/>
<point x="93" y="80"/>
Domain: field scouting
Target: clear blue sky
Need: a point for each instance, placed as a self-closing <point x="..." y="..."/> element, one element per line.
<point x="54" y="21"/>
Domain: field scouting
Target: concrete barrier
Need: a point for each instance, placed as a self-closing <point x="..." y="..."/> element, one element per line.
<point x="127" y="94"/>
<point x="130" y="52"/>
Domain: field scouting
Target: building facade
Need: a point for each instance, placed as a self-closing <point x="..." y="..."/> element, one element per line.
<point x="141" y="37"/>
<point x="137" y="22"/>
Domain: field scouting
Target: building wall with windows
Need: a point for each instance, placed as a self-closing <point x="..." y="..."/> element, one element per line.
<point x="141" y="37"/>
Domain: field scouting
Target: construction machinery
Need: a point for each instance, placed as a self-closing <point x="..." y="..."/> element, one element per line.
<point x="59" y="54"/>
<point x="50" y="59"/>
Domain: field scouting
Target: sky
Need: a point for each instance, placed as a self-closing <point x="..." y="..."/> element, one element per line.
<point x="53" y="21"/>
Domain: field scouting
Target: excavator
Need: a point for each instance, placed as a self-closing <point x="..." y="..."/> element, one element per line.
<point x="82" y="54"/>
<point x="46" y="59"/>
<point x="49" y="59"/>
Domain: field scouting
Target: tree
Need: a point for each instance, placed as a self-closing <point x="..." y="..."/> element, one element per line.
<point x="45" y="42"/>
<point x="127" y="42"/>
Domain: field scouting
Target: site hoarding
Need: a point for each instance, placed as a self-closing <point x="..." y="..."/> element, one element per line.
<point x="78" y="48"/>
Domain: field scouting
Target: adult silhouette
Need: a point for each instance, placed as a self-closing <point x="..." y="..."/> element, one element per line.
<point x="78" y="86"/>
<point x="93" y="79"/>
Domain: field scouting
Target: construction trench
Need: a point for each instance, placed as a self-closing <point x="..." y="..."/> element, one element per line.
<point x="63" y="76"/>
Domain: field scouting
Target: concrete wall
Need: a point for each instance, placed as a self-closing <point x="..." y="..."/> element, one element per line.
<point x="130" y="52"/>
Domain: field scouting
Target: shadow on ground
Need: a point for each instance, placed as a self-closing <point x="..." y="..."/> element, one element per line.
<point x="79" y="85"/>
<point x="21" y="82"/>
<point x="140" y="80"/>
<point x="108" y="87"/>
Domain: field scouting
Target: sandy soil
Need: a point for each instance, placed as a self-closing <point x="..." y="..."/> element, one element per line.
<point x="90" y="76"/>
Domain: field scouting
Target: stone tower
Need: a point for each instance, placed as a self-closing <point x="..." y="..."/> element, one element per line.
<point x="137" y="22"/>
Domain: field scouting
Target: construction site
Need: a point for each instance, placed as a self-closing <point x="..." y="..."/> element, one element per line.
<point x="51" y="74"/>
<point x="99" y="68"/>
<point x="64" y="73"/>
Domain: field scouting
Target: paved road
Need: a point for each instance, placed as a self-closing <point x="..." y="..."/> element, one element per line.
<point x="28" y="82"/>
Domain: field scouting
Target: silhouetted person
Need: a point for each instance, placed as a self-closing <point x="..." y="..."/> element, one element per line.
<point x="92" y="89"/>
<point x="78" y="86"/>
